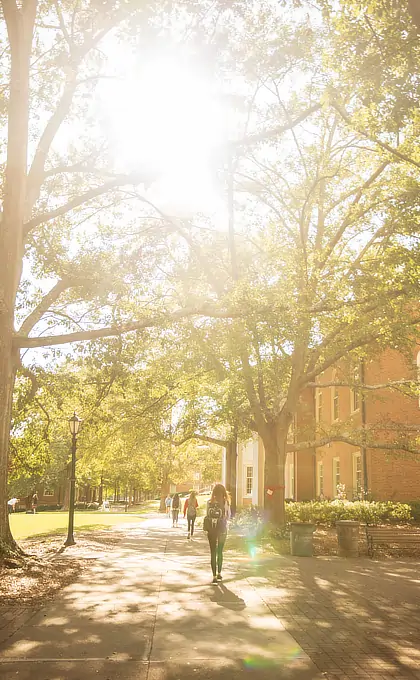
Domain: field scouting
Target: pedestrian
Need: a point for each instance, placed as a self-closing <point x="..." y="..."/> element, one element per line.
<point x="34" y="502"/>
<point x="190" y="509"/>
<point x="12" y="504"/>
<point x="175" y="509"/>
<point x="168" y="501"/>
<point x="215" y="524"/>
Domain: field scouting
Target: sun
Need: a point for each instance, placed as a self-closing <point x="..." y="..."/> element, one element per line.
<point x="167" y="118"/>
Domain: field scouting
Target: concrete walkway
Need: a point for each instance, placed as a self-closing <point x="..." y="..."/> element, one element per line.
<point x="147" y="611"/>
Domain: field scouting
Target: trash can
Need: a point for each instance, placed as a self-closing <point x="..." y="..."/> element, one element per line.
<point x="348" y="537"/>
<point x="301" y="539"/>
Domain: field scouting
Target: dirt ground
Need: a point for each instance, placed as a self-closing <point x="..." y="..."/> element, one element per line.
<point x="47" y="568"/>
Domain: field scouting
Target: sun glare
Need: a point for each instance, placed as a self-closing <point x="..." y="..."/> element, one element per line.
<point x="167" y="119"/>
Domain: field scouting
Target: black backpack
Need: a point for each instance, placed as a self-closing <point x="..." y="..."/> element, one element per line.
<point x="215" y="519"/>
<point x="175" y="503"/>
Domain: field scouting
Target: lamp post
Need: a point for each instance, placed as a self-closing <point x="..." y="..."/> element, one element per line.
<point x="74" y="424"/>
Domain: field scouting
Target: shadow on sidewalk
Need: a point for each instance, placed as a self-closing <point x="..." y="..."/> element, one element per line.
<point x="226" y="598"/>
<point x="146" y="611"/>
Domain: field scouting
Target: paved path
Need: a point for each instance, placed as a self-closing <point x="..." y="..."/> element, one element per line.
<point x="147" y="611"/>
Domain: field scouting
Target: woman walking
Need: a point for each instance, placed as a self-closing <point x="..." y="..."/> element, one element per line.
<point x="215" y="523"/>
<point x="175" y="509"/>
<point x="190" y="509"/>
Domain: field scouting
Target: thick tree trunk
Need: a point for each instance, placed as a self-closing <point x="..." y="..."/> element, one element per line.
<point x="275" y="439"/>
<point x="20" y="23"/>
<point x="231" y="453"/>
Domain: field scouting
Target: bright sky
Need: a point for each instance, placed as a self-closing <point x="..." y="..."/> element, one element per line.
<point x="166" y="117"/>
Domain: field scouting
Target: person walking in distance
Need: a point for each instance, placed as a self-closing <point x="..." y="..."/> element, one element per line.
<point x="215" y="524"/>
<point x="190" y="509"/>
<point x="168" y="501"/>
<point x="175" y="510"/>
<point x="34" y="502"/>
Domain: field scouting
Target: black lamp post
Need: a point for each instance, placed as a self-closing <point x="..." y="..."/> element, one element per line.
<point x="74" y="423"/>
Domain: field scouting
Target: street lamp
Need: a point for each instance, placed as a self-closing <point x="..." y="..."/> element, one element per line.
<point x="74" y="424"/>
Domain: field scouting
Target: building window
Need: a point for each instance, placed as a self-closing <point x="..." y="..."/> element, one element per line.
<point x="249" y="479"/>
<point x="418" y="374"/>
<point x="319" y="402"/>
<point x="48" y="492"/>
<point x="336" y="404"/>
<point x="320" y="478"/>
<point x="336" y="476"/>
<point x="357" y="474"/>
<point x="355" y="394"/>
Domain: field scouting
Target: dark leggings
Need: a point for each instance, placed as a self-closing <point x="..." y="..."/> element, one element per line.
<point x="216" y="543"/>
<point x="191" y="522"/>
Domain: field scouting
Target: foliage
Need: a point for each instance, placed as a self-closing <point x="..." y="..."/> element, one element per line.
<point x="329" y="512"/>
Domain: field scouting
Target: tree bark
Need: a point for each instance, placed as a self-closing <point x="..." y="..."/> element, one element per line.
<point x="275" y="440"/>
<point x="231" y="453"/>
<point x="20" y="25"/>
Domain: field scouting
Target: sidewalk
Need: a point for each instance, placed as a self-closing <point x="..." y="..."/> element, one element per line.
<point x="147" y="611"/>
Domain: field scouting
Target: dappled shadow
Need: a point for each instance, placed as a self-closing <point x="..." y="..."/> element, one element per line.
<point x="352" y="614"/>
<point x="150" y="604"/>
<point x="147" y="610"/>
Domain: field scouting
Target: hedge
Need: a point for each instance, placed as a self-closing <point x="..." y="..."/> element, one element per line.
<point x="329" y="512"/>
<point x="250" y="521"/>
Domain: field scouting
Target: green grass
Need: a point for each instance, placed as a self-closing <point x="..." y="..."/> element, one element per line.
<point x="24" y="526"/>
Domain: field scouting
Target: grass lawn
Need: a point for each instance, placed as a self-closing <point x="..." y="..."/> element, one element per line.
<point x="24" y="526"/>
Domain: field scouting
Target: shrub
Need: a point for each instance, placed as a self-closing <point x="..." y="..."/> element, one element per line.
<point x="48" y="508"/>
<point x="415" y="510"/>
<point x="328" y="513"/>
<point x="249" y="522"/>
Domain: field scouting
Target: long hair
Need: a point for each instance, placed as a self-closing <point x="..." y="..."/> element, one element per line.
<point x="219" y="494"/>
<point x="193" y="495"/>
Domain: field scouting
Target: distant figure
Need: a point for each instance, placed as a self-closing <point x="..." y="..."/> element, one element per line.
<point x="11" y="505"/>
<point x="168" y="501"/>
<point x="175" y="509"/>
<point x="34" y="502"/>
<point x="105" y="506"/>
<point x="190" y="508"/>
<point x="215" y="524"/>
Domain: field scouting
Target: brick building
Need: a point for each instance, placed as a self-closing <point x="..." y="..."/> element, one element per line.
<point x="325" y="411"/>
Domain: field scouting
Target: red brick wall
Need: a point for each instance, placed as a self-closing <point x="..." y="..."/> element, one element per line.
<point x="389" y="476"/>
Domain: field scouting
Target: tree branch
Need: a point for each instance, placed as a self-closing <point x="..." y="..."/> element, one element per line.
<point x="397" y="154"/>
<point x="95" y="334"/>
<point x="43" y="306"/>
<point x="315" y="444"/>
<point x="81" y="199"/>
<point x="360" y="386"/>
<point x="204" y="438"/>
<point x="269" y="134"/>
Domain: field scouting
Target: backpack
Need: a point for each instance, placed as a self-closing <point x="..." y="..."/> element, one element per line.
<point x="215" y="519"/>
<point x="191" y="510"/>
<point x="175" y="503"/>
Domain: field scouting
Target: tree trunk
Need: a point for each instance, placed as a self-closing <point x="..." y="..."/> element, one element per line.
<point x="231" y="453"/>
<point x="20" y="23"/>
<point x="275" y="439"/>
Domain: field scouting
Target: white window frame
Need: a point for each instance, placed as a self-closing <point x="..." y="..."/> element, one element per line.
<point x="355" y="396"/>
<point x="319" y="405"/>
<point x="335" y="465"/>
<point x="418" y="374"/>
<point x="249" y="477"/>
<point x="335" y="396"/>
<point x="320" y="477"/>
<point x="46" y="492"/>
<point x="357" y="458"/>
